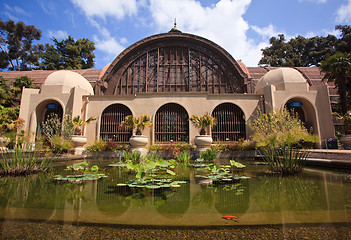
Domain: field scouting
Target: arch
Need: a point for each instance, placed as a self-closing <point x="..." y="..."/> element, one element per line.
<point x="45" y="109"/>
<point x="171" y="123"/>
<point x="111" y="119"/>
<point x="173" y="62"/>
<point x="230" y="123"/>
<point x="306" y="112"/>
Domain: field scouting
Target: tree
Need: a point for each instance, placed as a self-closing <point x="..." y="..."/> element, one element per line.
<point x="68" y="54"/>
<point x="337" y="69"/>
<point x="16" y="50"/>
<point x="298" y="52"/>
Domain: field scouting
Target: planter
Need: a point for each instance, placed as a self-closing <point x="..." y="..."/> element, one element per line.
<point x="138" y="142"/>
<point x="78" y="144"/>
<point x="203" y="142"/>
<point x="345" y="140"/>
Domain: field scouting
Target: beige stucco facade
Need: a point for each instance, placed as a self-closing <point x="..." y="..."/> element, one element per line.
<point x="77" y="100"/>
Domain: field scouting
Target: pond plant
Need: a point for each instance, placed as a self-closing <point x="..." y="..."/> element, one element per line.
<point x="21" y="161"/>
<point x="209" y="154"/>
<point x="220" y="174"/>
<point x="152" y="172"/>
<point x="183" y="157"/>
<point x="279" y="136"/>
<point x="81" y="172"/>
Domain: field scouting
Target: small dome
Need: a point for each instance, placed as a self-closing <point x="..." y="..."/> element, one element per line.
<point x="68" y="79"/>
<point x="278" y="77"/>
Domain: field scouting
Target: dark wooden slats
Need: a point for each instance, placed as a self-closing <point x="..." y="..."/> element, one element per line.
<point x="171" y="124"/>
<point x="111" y="119"/>
<point x="174" y="69"/>
<point x="230" y="123"/>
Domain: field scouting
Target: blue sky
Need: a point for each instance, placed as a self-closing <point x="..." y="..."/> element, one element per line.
<point x="242" y="27"/>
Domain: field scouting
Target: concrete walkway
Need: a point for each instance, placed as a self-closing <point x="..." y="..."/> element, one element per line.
<point x="331" y="158"/>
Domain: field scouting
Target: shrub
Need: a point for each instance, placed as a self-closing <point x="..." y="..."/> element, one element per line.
<point x="107" y="146"/>
<point x="279" y="135"/>
<point x="209" y="154"/>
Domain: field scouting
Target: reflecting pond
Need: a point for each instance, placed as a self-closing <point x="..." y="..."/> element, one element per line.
<point x="315" y="196"/>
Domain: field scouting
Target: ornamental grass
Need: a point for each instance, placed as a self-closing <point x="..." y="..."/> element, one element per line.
<point x="20" y="161"/>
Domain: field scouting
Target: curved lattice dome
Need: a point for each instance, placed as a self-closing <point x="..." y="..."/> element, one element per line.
<point x="68" y="79"/>
<point x="278" y="77"/>
<point x="173" y="62"/>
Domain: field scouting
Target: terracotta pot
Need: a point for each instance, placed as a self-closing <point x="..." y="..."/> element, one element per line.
<point x="78" y="144"/>
<point x="345" y="140"/>
<point x="203" y="142"/>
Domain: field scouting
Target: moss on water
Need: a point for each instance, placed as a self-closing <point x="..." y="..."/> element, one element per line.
<point x="36" y="230"/>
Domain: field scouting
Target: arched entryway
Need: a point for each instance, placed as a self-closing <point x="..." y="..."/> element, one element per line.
<point x="171" y="124"/>
<point x="230" y="123"/>
<point x="111" y="119"/>
<point x="45" y="110"/>
<point x="305" y="112"/>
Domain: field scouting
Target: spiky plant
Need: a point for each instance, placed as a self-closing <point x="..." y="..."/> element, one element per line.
<point x="203" y="122"/>
<point x="139" y="123"/>
<point x="78" y="123"/>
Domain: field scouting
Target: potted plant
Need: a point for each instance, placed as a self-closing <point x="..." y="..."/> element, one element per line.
<point x="78" y="139"/>
<point x="346" y="139"/>
<point x="202" y="123"/>
<point x="137" y="141"/>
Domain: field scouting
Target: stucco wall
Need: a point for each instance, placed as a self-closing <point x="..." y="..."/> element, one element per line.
<point x="149" y="103"/>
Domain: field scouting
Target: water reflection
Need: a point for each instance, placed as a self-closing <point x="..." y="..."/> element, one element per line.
<point x="323" y="193"/>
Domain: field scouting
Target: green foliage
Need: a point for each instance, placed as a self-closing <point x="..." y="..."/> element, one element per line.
<point x="209" y="154"/>
<point x="337" y="69"/>
<point x="60" y="144"/>
<point x="82" y="173"/>
<point x="20" y="161"/>
<point x="68" y="54"/>
<point x="183" y="157"/>
<point x="8" y="118"/>
<point x="278" y="134"/>
<point x="17" y="52"/>
<point x="203" y="122"/>
<point x="107" y="146"/>
<point x="286" y="160"/>
<point x="279" y="129"/>
<point x="237" y="164"/>
<point x="235" y="146"/>
<point x="132" y="156"/>
<point x="298" y="51"/>
<point x="171" y="148"/>
<point x="139" y="123"/>
<point x="78" y="123"/>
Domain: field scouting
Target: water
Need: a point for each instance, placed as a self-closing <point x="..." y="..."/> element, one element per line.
<point x="314" y="197"/>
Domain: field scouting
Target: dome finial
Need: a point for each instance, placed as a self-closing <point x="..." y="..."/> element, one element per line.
<point x="175" y="29"/>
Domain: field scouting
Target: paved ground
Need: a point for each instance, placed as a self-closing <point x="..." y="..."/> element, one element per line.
<point x="330" y="158"/>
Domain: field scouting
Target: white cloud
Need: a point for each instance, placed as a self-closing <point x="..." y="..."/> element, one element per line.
<point x="15" y="10"/>
<point x="114" y="8"/>
<point x="59" y="34"/>
<point x="108" y="45"/>
<point x="49" y="7"/>
<point x="222" y="23"/>
<point x="314" y="1"/>
<point x="344" y="13"/>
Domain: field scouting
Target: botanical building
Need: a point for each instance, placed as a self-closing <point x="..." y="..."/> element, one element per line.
<point x="170" y="77"/>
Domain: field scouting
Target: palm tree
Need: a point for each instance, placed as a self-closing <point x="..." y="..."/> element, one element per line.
<point x="203" y="122"/>
<point x="337" y="69"/>
<point x="139" y="123"/>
